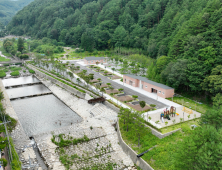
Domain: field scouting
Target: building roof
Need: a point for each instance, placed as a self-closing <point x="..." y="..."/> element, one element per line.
<point x="144" y="79"/>
<point x="94" y="58"/>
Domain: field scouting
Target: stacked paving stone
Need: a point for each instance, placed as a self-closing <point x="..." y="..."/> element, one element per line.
<point x="20" y="139"/>
<point x="103" y="129"/>
<point x="91" y="152"/>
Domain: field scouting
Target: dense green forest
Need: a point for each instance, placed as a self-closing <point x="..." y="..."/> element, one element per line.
<point x="8" y="9"/>
<point x="183" y="35"/>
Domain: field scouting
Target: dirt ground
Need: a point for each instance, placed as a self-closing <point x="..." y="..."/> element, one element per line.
<point x="94" y="80"/>
<point x="124" y="98"/>
<point x="115" y="77"/>
<point x="138" y="107"/>
<point x="112" y="91"/>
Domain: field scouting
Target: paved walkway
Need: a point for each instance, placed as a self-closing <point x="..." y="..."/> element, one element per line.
<point x="128" y="91"/>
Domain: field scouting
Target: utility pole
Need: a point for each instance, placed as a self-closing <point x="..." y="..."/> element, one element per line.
<point x="6" y="131"/>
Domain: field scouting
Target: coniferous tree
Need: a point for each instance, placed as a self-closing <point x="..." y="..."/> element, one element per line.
<point x="20" y="45"/>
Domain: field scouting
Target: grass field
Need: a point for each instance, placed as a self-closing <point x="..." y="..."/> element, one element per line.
<point x="186" y="124"/>
<point x="3" y="50"/>
<point x="202" y="108"/>
<point x="161" y="157"/>
<point x="4" y="59"/>
<point x="15" y="68"/>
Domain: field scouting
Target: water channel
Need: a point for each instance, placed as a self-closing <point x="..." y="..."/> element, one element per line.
<point x="42" y="113"/>
<point x="19" y="81"/>
<point x="27" y="91"/>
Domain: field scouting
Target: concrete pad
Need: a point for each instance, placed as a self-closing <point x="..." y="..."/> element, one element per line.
<point x="151" y="95"/>
<point x="155" y="116"/>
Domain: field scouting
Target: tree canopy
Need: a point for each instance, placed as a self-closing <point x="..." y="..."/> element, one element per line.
<point x="9" y="8"/>
<point x="183" y="36"/>
<point x="160" y="27"/>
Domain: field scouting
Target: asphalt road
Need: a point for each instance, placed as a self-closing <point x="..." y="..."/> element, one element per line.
<point x="115" y="85"/>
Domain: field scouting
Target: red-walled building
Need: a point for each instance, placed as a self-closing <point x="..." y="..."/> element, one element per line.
<point x="148" y="85"/>
<point x="93" y="60"/>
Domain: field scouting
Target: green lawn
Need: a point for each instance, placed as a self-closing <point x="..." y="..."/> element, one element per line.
<point x="202" y="108"/>
<point x="186" y="124"/>
<point x="4" y="59"/>
<point x="15" y="68"/>
<point x="161" y="157"/>
<point x="3" y="50"/>
<point x="15" y="73"/>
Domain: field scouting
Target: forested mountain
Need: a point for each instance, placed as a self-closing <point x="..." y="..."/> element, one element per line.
<point x="177" y="28"/>
<point x="186" y="33"/>
<point x="8" y="9"/>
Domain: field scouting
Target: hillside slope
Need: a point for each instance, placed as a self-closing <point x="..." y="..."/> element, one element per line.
<point x="154" y="26"/>
<point x="9" y="8"/>
<point x="188" y="32"/>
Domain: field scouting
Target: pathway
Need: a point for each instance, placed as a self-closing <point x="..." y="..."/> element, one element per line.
<point x="127" y="90"/>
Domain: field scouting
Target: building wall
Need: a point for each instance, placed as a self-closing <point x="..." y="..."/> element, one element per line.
<point x="128" y="79"/>
<point x="169" y="93"/>
<point x="93" y="62"/>
<point x="164" y="93"/>
<point x="85" y="61"/>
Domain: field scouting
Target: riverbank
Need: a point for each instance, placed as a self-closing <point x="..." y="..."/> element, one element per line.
<point x="20" y="139"/>
<point x="97" y="122"/>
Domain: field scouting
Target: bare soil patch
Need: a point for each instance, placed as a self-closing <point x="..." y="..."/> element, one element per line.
<point x="115" y="77"/>
<point x="138" y="107"/>
<point x="112" y="91"/>
<point x="124" y="98"/>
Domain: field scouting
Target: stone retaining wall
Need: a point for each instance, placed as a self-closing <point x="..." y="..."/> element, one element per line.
<point x="62" y="85"/>
<point x="70" y="89"/>
<point x="82" y="95"/>
<point x="131" y="153"/>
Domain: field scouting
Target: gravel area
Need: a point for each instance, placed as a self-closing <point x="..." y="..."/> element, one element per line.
<point x="20" y="139"/>
<point x="99" y="117"/>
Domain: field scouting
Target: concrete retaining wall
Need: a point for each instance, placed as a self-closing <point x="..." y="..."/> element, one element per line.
<point x="68" y="88"/>
<point x="54" y="81"/>
<point x="62" y="85"/>
<point x="111" y="106"/>
<point x="82" y="95"/>
<point x="131" y="153"/>
<point x="160" y="135"/>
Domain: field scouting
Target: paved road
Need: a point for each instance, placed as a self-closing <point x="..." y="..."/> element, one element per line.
<point x="127" y="90"/>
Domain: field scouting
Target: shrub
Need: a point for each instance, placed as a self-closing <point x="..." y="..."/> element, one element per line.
<point x="31" y="71"/>
<point x="5" y="162"/>
<point x="152" y="105"/>
<point x="15" y="68"/>
<point x="18" y="63"/>
<point x="2" y="74"/>
<point x="15" y="73"/>
<point x="24" y="56"/>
